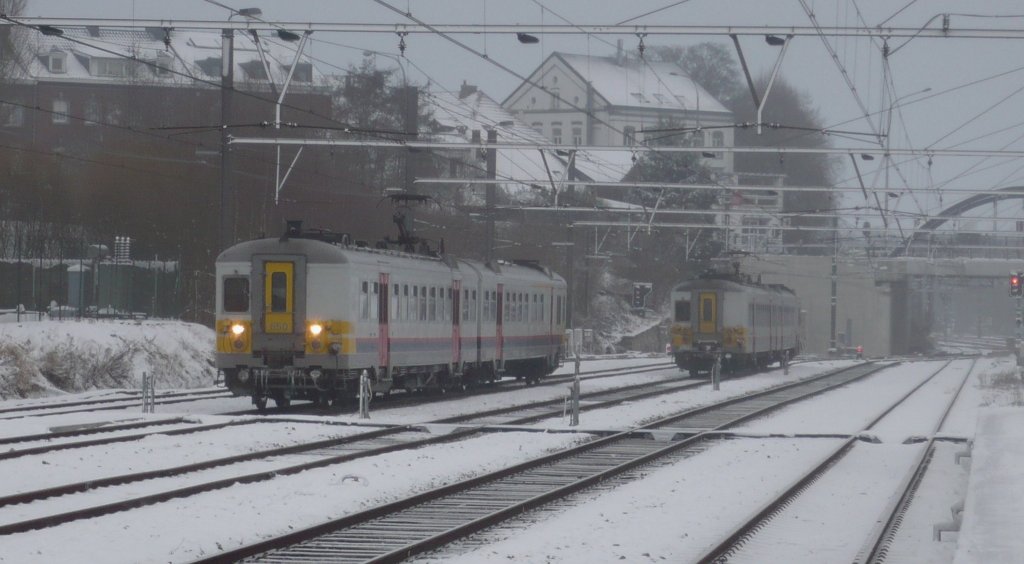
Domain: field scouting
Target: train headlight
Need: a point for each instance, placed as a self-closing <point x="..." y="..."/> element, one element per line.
<point x="237" y="329"/>
<point x="315" y="374"/>
<point x="315" y="329"/>
<point x="243" y="375"/>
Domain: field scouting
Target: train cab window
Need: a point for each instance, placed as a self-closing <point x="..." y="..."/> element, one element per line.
<point x="236" y="294"/>
<point x="473" y="309"/>
<point x="683" y="310"/>
<point x="448" y="305"/>
<point x="558" y="310"/>
<point x="278" y="292"/>
<point x="542" y="312"/>
<point x="706" y="310"/>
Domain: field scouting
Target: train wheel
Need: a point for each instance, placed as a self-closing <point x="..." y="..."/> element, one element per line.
<point x="260" y="402"/>
<point x="281" y="401"/>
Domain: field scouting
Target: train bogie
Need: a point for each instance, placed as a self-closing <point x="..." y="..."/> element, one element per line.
<point x="301" y="318"/>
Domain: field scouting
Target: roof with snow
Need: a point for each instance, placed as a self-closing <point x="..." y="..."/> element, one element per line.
<point x="456" y="118"/>
<point x="159" y="56"/>
<point x="637" y="84"/>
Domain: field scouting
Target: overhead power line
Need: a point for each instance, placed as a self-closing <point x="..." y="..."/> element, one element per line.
<point x="506" y="29"/>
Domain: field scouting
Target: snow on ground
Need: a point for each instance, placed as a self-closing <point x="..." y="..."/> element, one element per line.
<point x="673" y="513"/>
<point x="50" y="357"/>
<point x="993" y="512"/>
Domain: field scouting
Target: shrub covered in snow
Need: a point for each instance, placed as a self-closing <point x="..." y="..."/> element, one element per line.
<point x="49" y="357"/>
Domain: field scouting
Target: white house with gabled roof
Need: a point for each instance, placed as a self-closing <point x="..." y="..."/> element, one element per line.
<point x="588" y="100"/>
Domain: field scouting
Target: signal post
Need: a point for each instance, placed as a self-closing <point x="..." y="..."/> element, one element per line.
<point x="1017" y="291"/>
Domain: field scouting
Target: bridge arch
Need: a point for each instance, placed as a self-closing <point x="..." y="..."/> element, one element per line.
<point x="954" y="211"/>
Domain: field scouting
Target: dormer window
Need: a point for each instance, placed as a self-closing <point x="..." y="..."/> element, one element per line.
<point x="109" y="67"/>
<point x="58" y="63"/>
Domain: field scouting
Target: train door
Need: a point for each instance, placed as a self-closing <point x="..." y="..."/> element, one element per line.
<point x="383" y="336"/>
<point x="279" y="297"/>
<point x="499" y="334"/>
<point x="456" y="292"/>
<point x="708" y="321"/>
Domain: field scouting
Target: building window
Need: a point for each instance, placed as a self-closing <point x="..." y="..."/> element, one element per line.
<point x="577" y="133"/>
<point x="628" y="135"/>
<point x="538" y="126"/>
<point x="718" y="140"/>
<point x="110" y="67"/>
<point x="556" y="132"/>
<point x="164" y="63"/>
<point x="697" y="139"/>
<point x="15" y="117"/>
<point x="60" y="111"/>
<point x="92" y="111"/>
<point x="57" y="63"/>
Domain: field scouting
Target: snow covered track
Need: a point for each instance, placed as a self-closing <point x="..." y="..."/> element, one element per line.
<point x="133" y="399"/>
<point x="394" y="531"/>
<point x="782" y="529"/>
<point x="323" y="453"/>
<point x="399" y="400"/>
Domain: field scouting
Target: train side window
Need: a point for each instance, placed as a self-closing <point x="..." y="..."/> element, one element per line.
<point x="375" y="301"/>
<point x="394" y="302"/>
<point x="449" y="315"/>
<point x="406" y="315"/>
<point x="423" y="303"/>
<point x="558" y="310"/>
<point x="236" y="294"/>
<point x="706" y="313"/>
<point x="683" y="311"/>
<point x="542" y="311"/>
<point x="473" y="307"/>
<point x="432" y="304"/>
<point x="507" y="308"/>
<point x="364" y="301"/>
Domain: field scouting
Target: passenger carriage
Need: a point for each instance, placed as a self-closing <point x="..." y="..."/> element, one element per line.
<point x="304" y="315"/>
<point x="729" y="317"/>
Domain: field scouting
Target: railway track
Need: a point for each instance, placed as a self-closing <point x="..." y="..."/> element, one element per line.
<point x="107" y="404"/>
<point x="394" y="531"/>
<point x="733" y="545"/>
<point x="398" y="400"/>
<point x="159" y="426"/>
<point x="325" y="453"/>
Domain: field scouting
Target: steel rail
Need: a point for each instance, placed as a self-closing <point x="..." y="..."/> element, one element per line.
<point x="625" y="451"/>
<point x="101" y="401"/>
<point x="732" y="542"/>
<point x="876" y="548"/>
<point x="389" y="434"/>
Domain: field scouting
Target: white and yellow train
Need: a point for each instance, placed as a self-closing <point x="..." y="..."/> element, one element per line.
<point x="727" y="317"/>
<point x="301" y="317"/>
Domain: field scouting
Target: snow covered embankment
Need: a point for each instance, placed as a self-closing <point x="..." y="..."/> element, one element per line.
<point x="40" y="358"/>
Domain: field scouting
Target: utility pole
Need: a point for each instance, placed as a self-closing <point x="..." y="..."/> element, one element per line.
<point x="492" y="173"/>
<point x="410" y="99"/>
<point x="834" y="301"/>
<point x="227" y="85"/>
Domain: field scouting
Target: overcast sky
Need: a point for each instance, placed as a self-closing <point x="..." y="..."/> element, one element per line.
<point x="939" y="120"/>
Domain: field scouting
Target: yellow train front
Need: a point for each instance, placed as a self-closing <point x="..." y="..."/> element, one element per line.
<point x="301" y="317"/>
<point x="742" y="323"/>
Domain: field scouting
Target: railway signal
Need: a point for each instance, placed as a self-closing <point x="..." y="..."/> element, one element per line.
<point x="640" y="292"/>
<point x="1015" y="284"/>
